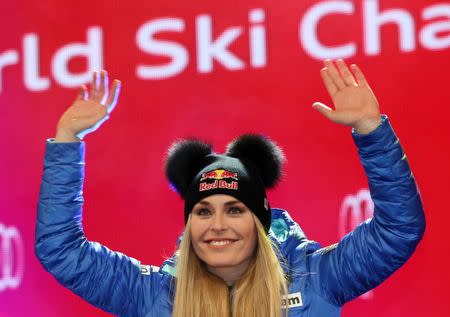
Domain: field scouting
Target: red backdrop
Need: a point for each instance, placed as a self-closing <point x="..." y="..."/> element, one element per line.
<point x="215" y="70"/>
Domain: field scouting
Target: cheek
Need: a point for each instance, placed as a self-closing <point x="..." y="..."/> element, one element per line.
<point x="251" y="238"/>
<point x="197" y="231"/>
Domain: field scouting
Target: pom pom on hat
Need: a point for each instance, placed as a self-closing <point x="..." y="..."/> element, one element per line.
<point x="183" y="161"/>
<point x="262" y="153"/>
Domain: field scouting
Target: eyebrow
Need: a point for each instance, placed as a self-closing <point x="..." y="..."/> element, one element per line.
<point x="228" y="203"/>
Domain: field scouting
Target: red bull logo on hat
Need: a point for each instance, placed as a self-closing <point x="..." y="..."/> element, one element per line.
<point x="219" y="174"/>
<point x="219" y="178"/>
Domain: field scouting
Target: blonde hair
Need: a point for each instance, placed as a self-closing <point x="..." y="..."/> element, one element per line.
<point x="258" y="292"/>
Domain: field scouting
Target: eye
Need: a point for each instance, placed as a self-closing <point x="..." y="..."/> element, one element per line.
<point x="203" y="212"/>
<point x="235" y="210"/>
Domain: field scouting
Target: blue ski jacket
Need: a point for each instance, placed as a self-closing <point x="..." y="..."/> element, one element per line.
<point x="322" y="279"/>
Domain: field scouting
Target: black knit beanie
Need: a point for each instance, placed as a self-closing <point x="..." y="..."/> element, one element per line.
<point x="251" y="164"/>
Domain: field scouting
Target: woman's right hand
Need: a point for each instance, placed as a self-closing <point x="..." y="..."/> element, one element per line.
<point x="89" y="110"/>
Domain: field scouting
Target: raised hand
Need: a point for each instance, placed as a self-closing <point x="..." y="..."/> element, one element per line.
<point x="89" y="110"/>
<point x="355" y="104"/>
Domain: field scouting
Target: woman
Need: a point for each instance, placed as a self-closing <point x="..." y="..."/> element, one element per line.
<point x="237" y="256"/>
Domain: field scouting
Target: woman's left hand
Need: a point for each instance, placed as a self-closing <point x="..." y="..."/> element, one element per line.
<point x="354" y="102"/>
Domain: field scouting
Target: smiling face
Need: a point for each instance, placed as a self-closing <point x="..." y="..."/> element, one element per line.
<point x="223" y="234"/>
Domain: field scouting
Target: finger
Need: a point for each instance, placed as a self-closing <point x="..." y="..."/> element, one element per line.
<point x="82" y="93"/>
<point x="346" y="74"/>
<point x="103" y="90"/>
<point x="329" y="84"/>
<point x="113" y="95"/>
<point x="101" y="83"/>
<point x="359" y="76"/>
<point x="106" y="81"/>
<point x="324" y="110"/>
<point x="334" y="74"/>
<point x="95" y="94"/>
<point x="94" y="82"/>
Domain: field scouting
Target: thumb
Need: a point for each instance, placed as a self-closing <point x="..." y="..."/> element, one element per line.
<point x="324" y="110"/>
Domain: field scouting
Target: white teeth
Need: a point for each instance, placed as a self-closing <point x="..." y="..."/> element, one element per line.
<point x="220" y="242"/>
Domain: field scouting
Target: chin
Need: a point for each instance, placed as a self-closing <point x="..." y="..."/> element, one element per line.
<point x="226" y="262"/>
<point x="220" y="263"/>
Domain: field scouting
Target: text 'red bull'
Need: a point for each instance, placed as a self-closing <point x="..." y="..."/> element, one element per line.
<point x="220" y="178"/>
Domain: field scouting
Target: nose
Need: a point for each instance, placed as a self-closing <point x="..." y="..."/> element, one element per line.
<point x="218" y="223"/>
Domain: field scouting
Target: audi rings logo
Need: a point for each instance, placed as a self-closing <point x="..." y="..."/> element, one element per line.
<point x="12" y="258"/>
<point x="354" y="210"/>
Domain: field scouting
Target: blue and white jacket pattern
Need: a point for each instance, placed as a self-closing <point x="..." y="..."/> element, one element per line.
<point x="322" y="279"/>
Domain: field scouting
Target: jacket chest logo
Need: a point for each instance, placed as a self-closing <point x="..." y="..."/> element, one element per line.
<point x="292" y="300"/>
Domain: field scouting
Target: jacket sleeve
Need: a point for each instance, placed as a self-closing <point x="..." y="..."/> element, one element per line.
<point x="109" y="280"/>
<point x="375" y="249"/>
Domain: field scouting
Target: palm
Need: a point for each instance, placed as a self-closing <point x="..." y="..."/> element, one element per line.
<point x="354" y="102"/>
<point x="89" y="110"/>
<point x="83" y="114"/>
